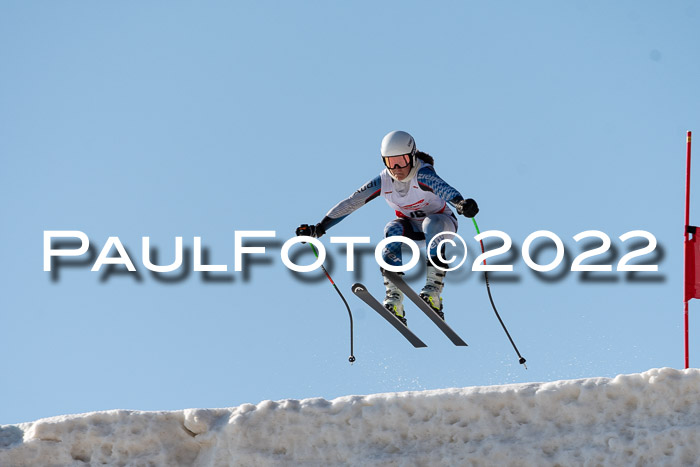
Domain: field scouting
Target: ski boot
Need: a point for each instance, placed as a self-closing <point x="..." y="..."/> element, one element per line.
<point x="393" y="301"/>
<point x="433" y="288"/>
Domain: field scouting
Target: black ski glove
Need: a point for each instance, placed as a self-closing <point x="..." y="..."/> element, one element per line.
<point x="311" y="230"/>
<point x="467" y="208"/>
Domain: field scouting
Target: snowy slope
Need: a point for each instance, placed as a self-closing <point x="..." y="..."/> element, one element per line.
<point x="652" y="418"/>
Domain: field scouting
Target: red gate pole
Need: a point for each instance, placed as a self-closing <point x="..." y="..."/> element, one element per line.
<point x="685" y="239"/>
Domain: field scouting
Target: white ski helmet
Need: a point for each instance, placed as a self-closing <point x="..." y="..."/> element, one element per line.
<point x="395" y="145"/>
<point x="398" y="143"/>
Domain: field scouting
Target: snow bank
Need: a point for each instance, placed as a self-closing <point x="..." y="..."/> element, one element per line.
<point x="652" y="418"/>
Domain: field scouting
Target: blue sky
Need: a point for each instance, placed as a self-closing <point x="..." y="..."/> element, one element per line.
<point x="173" y="119"/>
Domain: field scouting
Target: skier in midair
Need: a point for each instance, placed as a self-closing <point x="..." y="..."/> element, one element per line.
<point x="420" y="199"/>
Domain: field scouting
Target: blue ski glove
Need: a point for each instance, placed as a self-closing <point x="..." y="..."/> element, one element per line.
<point x="311" y="230"/>
<point x="467" y="208"/>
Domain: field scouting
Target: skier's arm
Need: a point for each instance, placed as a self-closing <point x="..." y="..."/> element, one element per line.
<point x="429" y="180"/>
<point x="340" y="211"/>
<point x="355" y="201"/>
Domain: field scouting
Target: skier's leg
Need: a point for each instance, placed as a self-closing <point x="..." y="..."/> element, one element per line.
<point x="434" y="225"/>
<point x="392" y="255"/>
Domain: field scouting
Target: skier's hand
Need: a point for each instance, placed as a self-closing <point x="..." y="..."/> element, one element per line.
<point x="467" y="208"/>
<point x="311" y="230"/>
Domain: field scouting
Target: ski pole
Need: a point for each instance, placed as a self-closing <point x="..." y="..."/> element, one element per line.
<point x="351" y="359"/>
<point x="488" y="289"/>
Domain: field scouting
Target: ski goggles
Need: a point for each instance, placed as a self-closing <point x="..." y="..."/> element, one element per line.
<point x="397" y="162"/>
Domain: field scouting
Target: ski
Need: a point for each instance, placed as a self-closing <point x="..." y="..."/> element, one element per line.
<point x="361" y="291"/>
<point x="425" y="308"/>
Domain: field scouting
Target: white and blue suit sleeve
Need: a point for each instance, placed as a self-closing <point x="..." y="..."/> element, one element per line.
<point x="429" y="180"/>
<point x="355" y="201"/>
